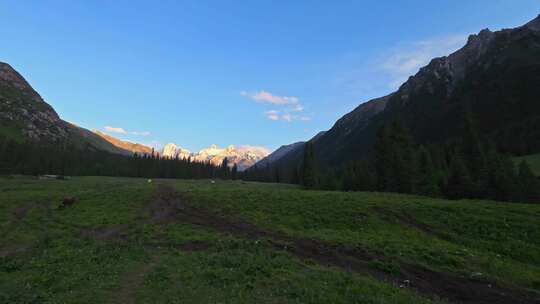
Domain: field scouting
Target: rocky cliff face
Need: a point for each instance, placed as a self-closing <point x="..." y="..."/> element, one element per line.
<point x="24" y="108"/>
<point x="23" y="111"/>
<point x="277" y="155"/>
<point x="125" y="145"/>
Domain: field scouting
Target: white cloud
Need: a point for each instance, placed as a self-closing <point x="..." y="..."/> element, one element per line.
<point x="286" y="115"/>
<point x="297" y="108"/>
<point x="272" y="114"/>
<point x="289" y="107"/>
<point x="267" y="97"/>
<point x="406" y="60"/>
<point x="123" y="131"/>
<point x="143" y="133"/>
<point x="115" y="130"/>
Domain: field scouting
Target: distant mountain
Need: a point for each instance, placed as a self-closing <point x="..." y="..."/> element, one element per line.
<point x="24" y="115"/>
<point x="494" y="79"/>
<point x="125" y="145"/>
<point x="275" y="156"/>
<point x="173" y="151"/>
<point x="284" y="152"/>
<point x="243" y="156"/>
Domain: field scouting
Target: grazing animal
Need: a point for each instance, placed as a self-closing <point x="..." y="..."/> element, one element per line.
<point x="149" y="181"/>
<point x="68" y="201"/>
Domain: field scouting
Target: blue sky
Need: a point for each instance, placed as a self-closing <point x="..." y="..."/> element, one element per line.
<point x="262" y="73"/>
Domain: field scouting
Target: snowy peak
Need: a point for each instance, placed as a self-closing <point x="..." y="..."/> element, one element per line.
<point x="243" y="157"/>
<point x="173" y="151"/>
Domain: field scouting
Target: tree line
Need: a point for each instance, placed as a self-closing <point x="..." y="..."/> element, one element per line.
<point x="29" y="158"/>
<point x="468" y="167"/>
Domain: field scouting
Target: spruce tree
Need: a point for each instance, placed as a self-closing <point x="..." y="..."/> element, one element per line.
<point x="529" y="184"/>
<point x="459" y="182"/>
<point x="427" y="181"/>
<point x="224" y="169"/>
<point x="234" y="172"/>
<point x="403" y="163"/>
<point x="383" y="158"/>
<point x="309" y="176"/>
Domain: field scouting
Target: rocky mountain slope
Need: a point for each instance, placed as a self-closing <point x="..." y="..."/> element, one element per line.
<point x="493" y="79"/>
<point x="125" y="145"/>
<point x="275" y="156"/>
<point x="24" y="115"/>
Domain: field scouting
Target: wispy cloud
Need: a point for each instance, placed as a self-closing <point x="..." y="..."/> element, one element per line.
<point x="407" y="59"/>
<point x="286" y="115"/>
<point x="123" y="131"/>
<point x="272" y="114"/>
<point x="143" y="133"/>
<point x="267" y="97"/>
<point x="359" y="77"/>
<point x="289" y="107"/>
<point x="115" y="129"/>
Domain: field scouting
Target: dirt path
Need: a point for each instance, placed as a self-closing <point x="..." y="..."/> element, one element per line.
<point x="133" y="281"/>
<point x="169" y="206"/>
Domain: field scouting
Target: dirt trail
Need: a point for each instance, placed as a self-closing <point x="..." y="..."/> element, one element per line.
<point x="169" y="206"/>
<point x="133" y="281"/>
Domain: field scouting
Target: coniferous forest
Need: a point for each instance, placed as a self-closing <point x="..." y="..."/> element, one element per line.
<point x="68" y="160"/>
<point x="468" y="167"/>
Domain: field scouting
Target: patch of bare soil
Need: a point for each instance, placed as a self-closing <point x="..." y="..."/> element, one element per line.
<point x="168" y="206"/>
<point x="185" y="246"/>
<point x="116" y="233"/>
<point x="133" y="281"/>
<point x="405" y="219"/>
<point x="12" y="250"/>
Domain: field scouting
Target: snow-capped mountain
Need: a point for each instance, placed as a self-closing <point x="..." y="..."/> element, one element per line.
<point x="243" y="156"/>
<point x="172" y="151"/>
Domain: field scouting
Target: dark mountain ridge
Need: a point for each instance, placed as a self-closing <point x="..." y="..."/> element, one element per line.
<point x="493" y="79"/>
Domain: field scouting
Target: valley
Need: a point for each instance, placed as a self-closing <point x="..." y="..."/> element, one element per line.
<point x="127" y="240"/>
<point x="405" y="160"/>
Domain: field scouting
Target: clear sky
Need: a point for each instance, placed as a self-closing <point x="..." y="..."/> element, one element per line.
<point x="261" y="72"/>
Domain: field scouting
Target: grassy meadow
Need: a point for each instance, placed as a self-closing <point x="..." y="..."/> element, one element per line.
<point x="180" y="241"/>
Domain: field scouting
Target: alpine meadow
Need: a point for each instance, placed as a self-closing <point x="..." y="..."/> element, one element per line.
<point x="301" y="184"/>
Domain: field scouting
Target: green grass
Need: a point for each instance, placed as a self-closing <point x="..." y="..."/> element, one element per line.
<point x="46" y="256"/>
<point x="533" y="161"/>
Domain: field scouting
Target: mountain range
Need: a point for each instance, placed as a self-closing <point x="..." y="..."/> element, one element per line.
<point x="25" y="115"/>
<point x="492" y="80"/>
<point x="243" y="156"/>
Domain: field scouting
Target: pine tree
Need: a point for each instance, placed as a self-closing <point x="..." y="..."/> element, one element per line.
<point x="529" y="184"/>
<point x="234" y="172"/>
<point x="224" y="169"/>
<point x="349" y="182"/>
<point x="427" y="182"/>
<point x="309" y="175"/>
<point x="459" y="182"/>
<point x="383" y="158"/>
<point x="403" y="161"/>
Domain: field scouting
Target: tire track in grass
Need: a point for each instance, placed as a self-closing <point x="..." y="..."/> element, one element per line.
<point x="133" y="281"/>
<point x="167" y="205"/>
